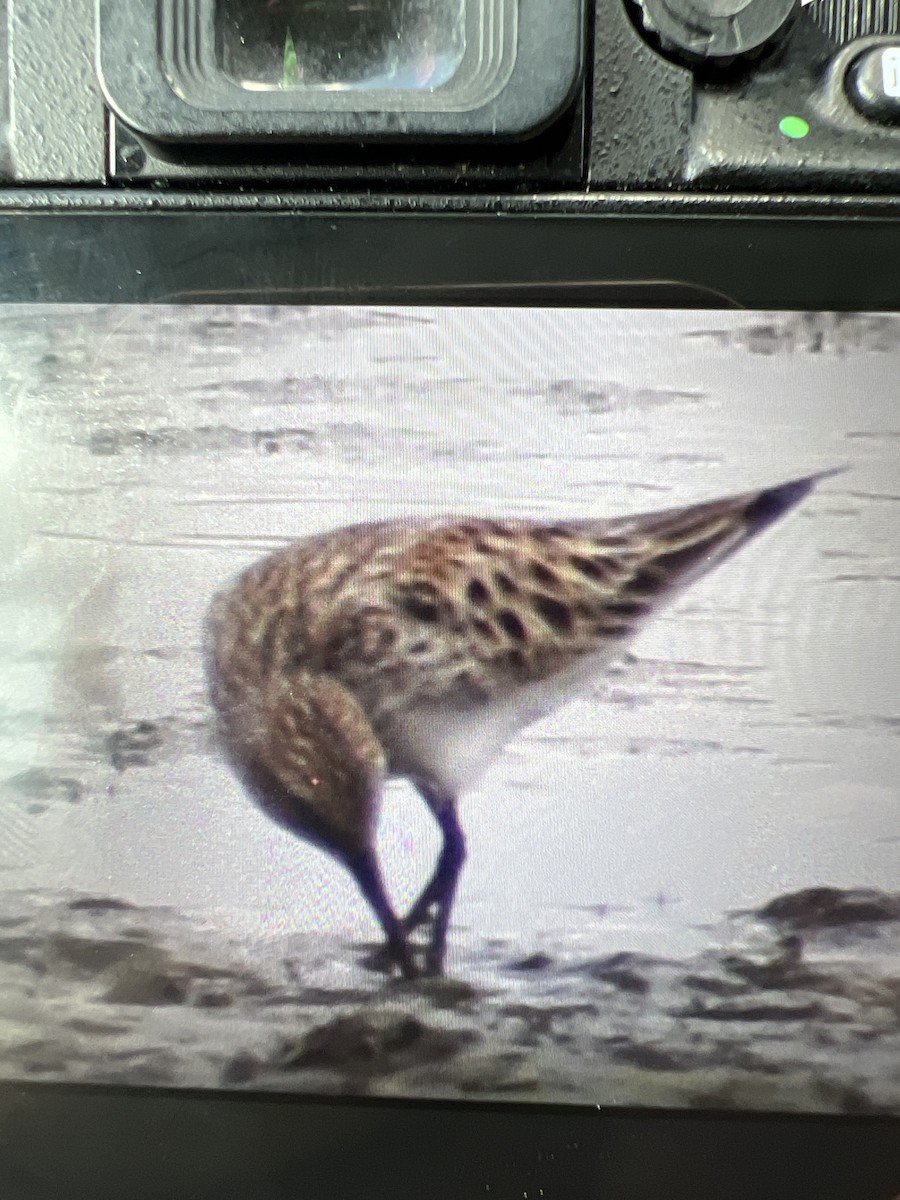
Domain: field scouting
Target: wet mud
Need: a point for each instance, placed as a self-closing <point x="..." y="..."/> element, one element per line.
<point x="800" y="1013"/>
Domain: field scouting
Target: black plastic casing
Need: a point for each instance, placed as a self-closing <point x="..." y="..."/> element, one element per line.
<point x="630" y="121"/>
<point x="159" y="75"/>
<point x="67" y="1142"/>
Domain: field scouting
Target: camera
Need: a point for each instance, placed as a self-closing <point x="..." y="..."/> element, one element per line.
<point x="513" y="318"/>
<point x="522" y="97"/>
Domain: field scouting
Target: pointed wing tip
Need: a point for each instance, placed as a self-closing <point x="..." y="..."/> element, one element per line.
<point x="774" y="502"/>
<point x="828" y="473"/>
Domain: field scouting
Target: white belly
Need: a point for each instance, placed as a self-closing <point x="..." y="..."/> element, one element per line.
<point x="453" y="747"/>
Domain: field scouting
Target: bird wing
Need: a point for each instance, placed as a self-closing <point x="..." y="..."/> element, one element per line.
<point x="525" y="599"/>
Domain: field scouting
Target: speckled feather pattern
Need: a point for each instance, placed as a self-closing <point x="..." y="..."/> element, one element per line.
<point x="375" y="649"/>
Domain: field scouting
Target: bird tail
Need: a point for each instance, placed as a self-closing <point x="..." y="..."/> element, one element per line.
<point x="669" y="550"/>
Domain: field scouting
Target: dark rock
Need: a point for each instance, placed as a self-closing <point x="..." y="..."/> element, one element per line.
<point x="96" y="1028"/>
<point x="621" y="970"/>
<point x="242" y="1068"/>
<point x="98" y="904"/>
<point x="373" y="1044"/>
<point x="214" y="1000"/>
<point x="149" y="977"/>
<point x="131" y="745"/>
<point x="752" y="1008"/>
<point x="533" y="962"/>
<point x="627" y="981"/>
<point x="827" y="907"/>
<point x="93" y="955"/>
<point x="443" y="992"/>
<point x="271" y="441"/>
<point x="150" y="990"/>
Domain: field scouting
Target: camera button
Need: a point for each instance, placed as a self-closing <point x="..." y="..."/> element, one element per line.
<point x="873" y="83"/>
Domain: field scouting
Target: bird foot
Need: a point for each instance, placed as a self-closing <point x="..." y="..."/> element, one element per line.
<point x="387" y="958"/>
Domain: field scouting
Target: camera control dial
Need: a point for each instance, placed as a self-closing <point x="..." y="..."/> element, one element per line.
<point x="698" y="31"/>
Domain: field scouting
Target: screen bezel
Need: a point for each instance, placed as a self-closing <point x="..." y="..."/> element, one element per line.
<point x="61" y="1140"/>
<point x="152" y="248"/>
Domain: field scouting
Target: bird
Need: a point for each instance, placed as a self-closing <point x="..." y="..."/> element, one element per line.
<point x="419" y="648"/>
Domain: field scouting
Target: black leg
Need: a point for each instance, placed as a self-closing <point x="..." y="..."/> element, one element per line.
<point x="365" y="870"/>
<point x="440" y="890"/>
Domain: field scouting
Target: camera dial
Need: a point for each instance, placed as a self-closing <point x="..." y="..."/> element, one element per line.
<point x="699" y="31"/>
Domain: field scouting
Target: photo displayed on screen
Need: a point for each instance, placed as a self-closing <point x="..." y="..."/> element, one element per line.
<point x="478" y="704"/>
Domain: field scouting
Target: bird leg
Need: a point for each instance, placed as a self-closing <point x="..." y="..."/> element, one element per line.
<point x="440" y="890"/>
<point x="364" y="868"/>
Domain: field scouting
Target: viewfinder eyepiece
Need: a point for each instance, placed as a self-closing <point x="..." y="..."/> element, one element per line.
<point x="302" y="70"/>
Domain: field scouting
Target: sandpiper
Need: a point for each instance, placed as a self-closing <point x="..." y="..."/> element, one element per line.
<point x="419" y="648"/>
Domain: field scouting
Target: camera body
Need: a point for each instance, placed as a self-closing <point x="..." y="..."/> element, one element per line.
<point x="595" y="102"/>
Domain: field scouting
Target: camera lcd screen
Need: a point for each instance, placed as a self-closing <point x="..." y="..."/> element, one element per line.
<point x="481" y="704"/>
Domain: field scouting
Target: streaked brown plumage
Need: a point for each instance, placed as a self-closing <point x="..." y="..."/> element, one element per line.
<point x="419" y="648"/>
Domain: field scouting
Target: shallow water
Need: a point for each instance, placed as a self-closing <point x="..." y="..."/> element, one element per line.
<point x="752" y="748"/>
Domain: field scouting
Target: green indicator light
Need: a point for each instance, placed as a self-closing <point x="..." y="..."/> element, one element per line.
<point x="793" y="127"/>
